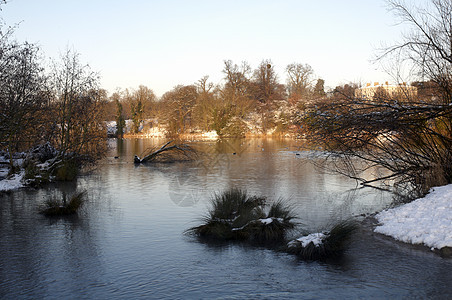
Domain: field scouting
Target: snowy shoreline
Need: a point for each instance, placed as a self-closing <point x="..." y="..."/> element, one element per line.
<point x="13" y="183"/>
<point x="426" y="221"/>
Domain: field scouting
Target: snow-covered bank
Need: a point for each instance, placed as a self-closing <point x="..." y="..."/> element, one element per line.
<point x="31" y="168"/>
<point x="426" y="221"/>
<point x="13" y="183"/>
<point x="9" y="183"/>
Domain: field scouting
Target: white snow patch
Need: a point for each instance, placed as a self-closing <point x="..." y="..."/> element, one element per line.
<point x="271" y="131"/>
<point x="266" y="221"/>
<point x="425" y="221"/>
<point x="111" y="127"/>
<point x="315" y="238"/>
<point x="270" y="220"/>
<point x="12" y="183"/>
<point x="3" y="172"/>
<point x="210" y="135"/>
<point x="155" y="132"/>
<point x="44" y="165"/>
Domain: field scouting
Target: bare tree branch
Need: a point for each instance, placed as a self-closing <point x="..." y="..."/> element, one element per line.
<point x="168" y="152"/>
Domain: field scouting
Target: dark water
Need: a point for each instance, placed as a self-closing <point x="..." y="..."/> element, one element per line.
<point x="128" y="240"/>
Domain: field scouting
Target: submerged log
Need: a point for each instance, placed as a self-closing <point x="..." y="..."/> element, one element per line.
<point x="169" y="152"/>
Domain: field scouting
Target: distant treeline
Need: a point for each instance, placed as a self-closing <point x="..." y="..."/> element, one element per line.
<point x="248" y="100"/>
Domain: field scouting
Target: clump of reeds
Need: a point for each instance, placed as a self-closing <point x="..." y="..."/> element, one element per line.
<point x="235" y="215"/>
<point x="274" y="226"/>
<point x="64" y="207"/>
<point x="323" y="245"/>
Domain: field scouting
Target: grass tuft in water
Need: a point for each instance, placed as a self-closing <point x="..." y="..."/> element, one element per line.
<point x="274" y="227"/>
<point x="235" y="215"/>
<point x="54" y="207"/>
<point x="324" y="245"/>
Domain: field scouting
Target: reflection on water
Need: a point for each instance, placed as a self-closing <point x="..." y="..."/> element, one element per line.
<point x="272" y="168"/>
<point x="128" y="242"/>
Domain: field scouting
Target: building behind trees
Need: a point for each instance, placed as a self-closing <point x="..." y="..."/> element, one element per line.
<point x="399" y="91"/>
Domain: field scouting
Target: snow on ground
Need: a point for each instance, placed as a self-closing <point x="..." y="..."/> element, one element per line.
<point x="111" y="127"/>
<point x="210" y="135"/>
<point x="155" y="132"/>
<point x="12" y="183"/>
<point x="3" y="172"/>
<point x="425" y="221"/>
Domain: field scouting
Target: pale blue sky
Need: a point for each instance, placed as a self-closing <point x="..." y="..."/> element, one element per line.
<point x="164" y="43"/>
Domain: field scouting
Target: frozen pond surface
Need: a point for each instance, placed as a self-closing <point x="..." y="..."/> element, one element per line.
<point x="128" y="240"/>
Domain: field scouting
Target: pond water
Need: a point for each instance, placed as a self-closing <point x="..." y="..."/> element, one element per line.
<point x="128" y="241"/>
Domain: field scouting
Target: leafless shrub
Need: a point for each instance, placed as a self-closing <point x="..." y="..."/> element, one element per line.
<point x="408" y="135"/>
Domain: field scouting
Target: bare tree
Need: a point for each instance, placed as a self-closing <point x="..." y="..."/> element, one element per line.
<point x="178" y="108"/>
<point x="234" y="99"/>
<point x="147" y="98"/>
<point x="404" y="139"/>
<point x="138" y="105"/>
<point x="299" y="80"/>
<point x="204" y="86"/>
<point x="266" y="89"/>
<point x="22" y="95"/>
<point x="237" y="78"/>
<point x="77" y="107"/>
<point x="427" y="47"/>
<point x="265" y="82"/>
<point x="206" y="102"/>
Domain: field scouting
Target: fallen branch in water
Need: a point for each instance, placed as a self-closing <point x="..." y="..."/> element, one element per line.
<point x="169" y="152"/>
